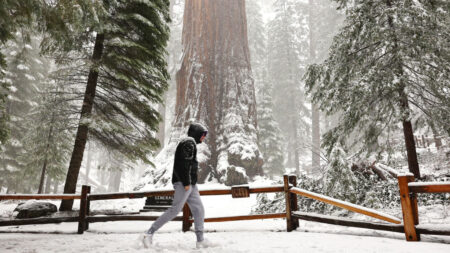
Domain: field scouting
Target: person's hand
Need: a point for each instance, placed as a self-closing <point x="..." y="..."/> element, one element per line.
<point x="186" y="188"/>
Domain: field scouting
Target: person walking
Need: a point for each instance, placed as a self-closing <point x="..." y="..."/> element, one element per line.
<point x="184" y="180"/>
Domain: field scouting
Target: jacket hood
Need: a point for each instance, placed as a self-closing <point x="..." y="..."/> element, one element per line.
<point x="196" y="131"/>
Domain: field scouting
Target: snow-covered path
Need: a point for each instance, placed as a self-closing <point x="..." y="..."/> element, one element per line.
<point x="252" y="236"/>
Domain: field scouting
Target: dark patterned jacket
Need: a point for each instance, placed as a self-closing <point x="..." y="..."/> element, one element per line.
<point x="185" y="166"/>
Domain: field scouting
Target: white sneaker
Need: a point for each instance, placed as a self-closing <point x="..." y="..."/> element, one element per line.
<point x="206" y="244"/>
<point x="147" y="240"/>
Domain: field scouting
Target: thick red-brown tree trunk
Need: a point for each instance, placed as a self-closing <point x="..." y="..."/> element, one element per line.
<point x="215" y="87"/>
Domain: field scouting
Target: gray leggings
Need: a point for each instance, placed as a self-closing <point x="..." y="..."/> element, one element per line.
<point x="181" y="196"/>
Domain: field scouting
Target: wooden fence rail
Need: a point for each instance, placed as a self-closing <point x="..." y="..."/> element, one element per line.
<point x="407" y="187"/>
<point x="346" y="205"/>
<point x="38" y="196"/>
<point x="429" y="187"/>
<point x="132" y="195"/>
<point x="410" y="210"/>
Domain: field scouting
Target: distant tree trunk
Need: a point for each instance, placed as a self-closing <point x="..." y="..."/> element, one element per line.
<point x="162" y="125"/>
<point x="41" y="182"/>
<point x="315" y="114"/>
<point x="296" y="148"/>
<point x="413" y="164"/>
<point x="215" y="87"/>
<point x="55" y="186"/>
<point x="48" y="184"/>
<point x="103" y="176"/>
<point x="160" y="135"/>
<point x="44" y="166"/>
<point x="437" y="141"/>
<point x="315" y="137"/>
<point x="408" y="132"/>
<point x="82" y="132"/>
<point x="114" y="180"/>
<point x="88" y="164"/>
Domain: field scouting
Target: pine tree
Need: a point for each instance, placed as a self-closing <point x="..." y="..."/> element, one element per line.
<point x="25" y="72"/>
<point x="257" y="42"/>
<point x="287" y="49"/>
<point x="175" y="52"/>
<point x="323" y="20"/>
<point x="13" y="15"/>
<point x="48" y="138"/>
<point x="388" y="61"/>
<point x="125" y="72"/>
<point x="269" y="134"/>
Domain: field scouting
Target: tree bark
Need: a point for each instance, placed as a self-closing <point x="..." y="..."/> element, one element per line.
<point x="41" y="182"/>
<point x="215" y="87"/>
<point x="82" y="132"/>
<point x="408" y="133"/>
<point x="413" y="164"/>
<point x="315" y="114"/>
<point x="44" y="166"/>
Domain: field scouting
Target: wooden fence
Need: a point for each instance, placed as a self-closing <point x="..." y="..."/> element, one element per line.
<point x="408" y="191"/>
<point x="408" y="194"/>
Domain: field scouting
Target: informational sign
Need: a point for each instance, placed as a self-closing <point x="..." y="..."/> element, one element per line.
<point x="159" y="201"/>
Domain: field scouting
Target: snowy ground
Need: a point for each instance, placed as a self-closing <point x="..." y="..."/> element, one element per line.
<point x="241" y="236"/>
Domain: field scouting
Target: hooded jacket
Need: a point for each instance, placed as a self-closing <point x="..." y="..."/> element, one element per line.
<point x="185" y="166"/>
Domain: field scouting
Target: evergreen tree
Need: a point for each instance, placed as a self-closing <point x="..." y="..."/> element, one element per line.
<point x="389" y="60"/>
<point x="287" y="49"/>
<point x="257" y="42"/>
<point x="125" y="72"/>
<point x="175" y="52"/>
<point x="323" y="20"/>
<point x="25" y="72"/>
<point x="269" y="134"/>
<point x="48" y="141"/>
<point x="13" y="14"/>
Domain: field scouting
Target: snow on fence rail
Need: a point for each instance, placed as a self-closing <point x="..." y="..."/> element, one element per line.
<point x="429" y="187"/>
<point x="407" y="187"/>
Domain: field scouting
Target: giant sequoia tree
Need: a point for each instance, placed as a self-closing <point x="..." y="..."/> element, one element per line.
<point x="215" y="87"/>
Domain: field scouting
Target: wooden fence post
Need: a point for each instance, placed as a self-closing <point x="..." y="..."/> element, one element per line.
<point x="186" y="215"/>
<point x="83" y="205"/>
<point x="288" y="204"/>
<point x="294" y="203"/>
<point x="409" y="208"/>
<point x="88" y="209"/>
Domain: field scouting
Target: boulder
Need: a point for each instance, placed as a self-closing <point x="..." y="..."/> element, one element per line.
<point x="235" y="176"/>
<point x="34" y="209"/>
